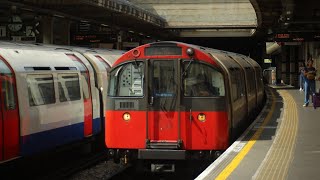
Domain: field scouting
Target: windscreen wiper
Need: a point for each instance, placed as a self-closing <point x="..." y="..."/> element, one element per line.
<point x="187" y="68"/>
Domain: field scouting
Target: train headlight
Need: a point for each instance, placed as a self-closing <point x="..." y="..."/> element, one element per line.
<point x="190" y="51"/>
<point x="201" y="117"/>
<point x="136" y="53"/>
<point x="126" y="116"/>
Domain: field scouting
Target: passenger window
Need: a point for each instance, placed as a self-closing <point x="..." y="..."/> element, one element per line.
<point x="40" y="89"/>
<point x="236" y="84"/>
<point x="69" y="87"/>
<point x="252" y="81"/>
<point x="250" y="77"/>
<point x="258" y="79"/>
<point x="202" y="80"/>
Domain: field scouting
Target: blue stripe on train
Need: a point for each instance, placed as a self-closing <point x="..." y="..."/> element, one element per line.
<point x="46" y="140"/>
<point x="96" y="126"/>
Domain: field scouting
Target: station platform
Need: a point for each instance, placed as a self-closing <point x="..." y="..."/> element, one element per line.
<point x="282" y="143"/>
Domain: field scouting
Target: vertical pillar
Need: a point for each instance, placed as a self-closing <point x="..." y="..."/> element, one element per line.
<point x="61" y="31"/>
<point x="119" y="40"/>
<point x="284" y="65"/>
<point x="278" y="62"/>
<point x="293" y="73"/>
<point x="46" y="36"/>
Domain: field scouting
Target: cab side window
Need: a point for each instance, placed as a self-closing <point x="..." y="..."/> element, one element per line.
<point x="127" y="80"/>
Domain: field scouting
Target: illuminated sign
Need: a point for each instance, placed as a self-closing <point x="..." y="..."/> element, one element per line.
<point x="267" y="61"/>
<point x="296" y="37"/>
<point x="282" y="36"/>
<point x="93" y="38"/>
<point x="89" y="38"/>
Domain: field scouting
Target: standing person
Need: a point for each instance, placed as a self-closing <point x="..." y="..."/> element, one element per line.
<point x="309" y="83"/>
<point x="301" y="75"/>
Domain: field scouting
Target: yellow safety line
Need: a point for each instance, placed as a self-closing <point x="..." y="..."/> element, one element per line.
<point x="236" y="161"/>
<point x="280" y="156"/>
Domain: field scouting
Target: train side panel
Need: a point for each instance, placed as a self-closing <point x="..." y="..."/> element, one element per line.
<point x="238" y="102"/>
<point x="259" y="81"/>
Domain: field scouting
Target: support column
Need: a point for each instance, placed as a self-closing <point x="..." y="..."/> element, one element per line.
<point x="46" y="35"/>
<point x="61" y="31"/>
<point x="294" y="75"/>
<point x="278" y="63"/>
<point x="119" y="40"/>
<point x="285" y="65"/>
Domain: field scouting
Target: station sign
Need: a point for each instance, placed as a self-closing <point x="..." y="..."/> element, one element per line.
<point x="30" y="39"/>
<point x="282" y="36"/>
<point x="267" y="61"/>
<point x="130" y="44"/>
<point x="296" y="37"/>
<point x="93" y="38"/>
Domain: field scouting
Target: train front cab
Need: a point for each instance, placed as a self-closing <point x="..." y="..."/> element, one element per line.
<point x="159" y="109"/>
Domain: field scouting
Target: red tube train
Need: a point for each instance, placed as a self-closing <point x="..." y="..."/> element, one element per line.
<point x="172" y="101"/>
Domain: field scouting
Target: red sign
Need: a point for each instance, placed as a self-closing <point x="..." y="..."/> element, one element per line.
<point x="282" y="36"/>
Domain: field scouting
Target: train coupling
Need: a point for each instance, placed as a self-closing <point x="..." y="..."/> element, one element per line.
<point x="215" y="154"/>
<point x="125" y="159"/>
<point x="170" y="168"/>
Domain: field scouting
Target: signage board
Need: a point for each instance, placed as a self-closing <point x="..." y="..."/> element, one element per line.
<point x="267" y="61"/>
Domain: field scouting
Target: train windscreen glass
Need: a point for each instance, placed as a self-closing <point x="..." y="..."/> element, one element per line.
<point x="127" y="80"/>
<point x="201" y="80"/>
<point x="163" y="79"/>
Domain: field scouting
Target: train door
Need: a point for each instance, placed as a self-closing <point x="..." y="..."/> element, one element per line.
<point x="163" y="116"/>
<point x="9" y="119"/>
<point x="87" y="97"/>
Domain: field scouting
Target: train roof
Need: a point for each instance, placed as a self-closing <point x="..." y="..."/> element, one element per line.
<point x="22" y="56"/>
<point x="110" y="55"/>
<point x="203" y="53"/>
<point x="40" y="46"/>
<point x="28" y="57"/>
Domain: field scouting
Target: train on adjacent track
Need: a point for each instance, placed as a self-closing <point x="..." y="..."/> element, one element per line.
<point x="51" y="96"/>
<point x="170" y="101"/>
